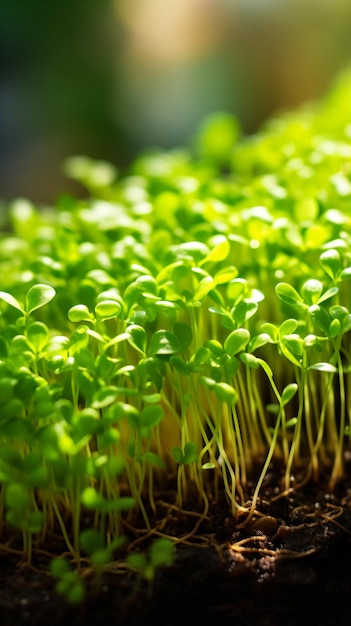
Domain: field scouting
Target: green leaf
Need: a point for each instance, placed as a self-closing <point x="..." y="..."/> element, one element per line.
<point x="117" y="339"/>
<point x="205" y="285"/>
<point x="12" y="408"/>
<point x="288" y="393"/>
<point x="35" y="521"/>
<point x="236" y="290"/>
<point x="342" y="314"/>
<point x="345" y="274"/>
<point x="190" y="453"/>
<point x="152" y="458"/>
<point x="287" y="327"/>
<point x="110" y="437"/>
<point x="334" y="328"/>
<point x="105" y="396"/>
<point x="312" y="340"/>
<point x="271" y="330"/>
<point x="137" y="561"/>
<point x="137" y="337"/>
<point x="151" y="415"/>
<point x="328" y="294"/>
<point x="288" y="350"/>
<point x="177" y="455"/>
<point x="184" y="335"/>
<point x="180" y="365"/>
<point x="338" y="312"/>
<point x="236" y="341"/>
<point x="231" y="365"/>
<point x="80" y="313"/>
<point x="311" y="291"/>
<point x="122" y="503"/>
<point x="258" y="341"/>
<point x="101" y="557"/>
<point x="86" y="385"/>
<point x="215" y="347"/>
<point x="7" y="385"/>
<point x="330" y="260"/>
<point x="161" y="552"/>
<point x="163" y="342"/>
<point x="152" y="398"/>
<point x="85" y="359"/>
<point x="71" y="587"/>
<point x="37" y="334"/>
<point x="89" y="172"/>
<point x="207" y="381"/>
<point x="219" y="252"/>
<point x="65" y="410"/>
<point x="320" y="317"/>
<point x="107" y="309"/>
<point x="93" y="500"/>
<point x="323" y="367"/>
<point x="90" y="540"/>
<point x="226" y="393"/>
<point x="250" y="360"/>
<point x="217" y="136"/>
<point x="17" y="497"/>
<point x="225" y="275"/>
<point x="18" y="428"/>
<point x="243" y="311"/>
<point x="188" y="456"/>
<point x="59" y="567"/>
<point x="122" y="410"/>
<point x="288" y="294"/>
<point x="201" y="356"/>
<point x="9" y="299"/>
<point x="37" y="296"/>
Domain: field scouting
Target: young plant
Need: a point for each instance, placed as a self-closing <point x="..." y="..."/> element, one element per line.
<point x="169" y="338"/>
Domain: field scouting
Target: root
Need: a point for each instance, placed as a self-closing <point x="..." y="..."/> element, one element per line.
<point x="280" y="553"/>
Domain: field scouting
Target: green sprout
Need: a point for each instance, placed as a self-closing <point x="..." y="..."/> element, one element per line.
<point x="160" y="555"/>
<point x="168" y="339"/>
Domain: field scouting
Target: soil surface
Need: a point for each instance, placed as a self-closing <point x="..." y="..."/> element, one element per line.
<point x="291" y="565"/>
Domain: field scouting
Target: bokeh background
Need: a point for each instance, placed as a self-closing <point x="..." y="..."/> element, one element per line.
<point x="108" y="78"/>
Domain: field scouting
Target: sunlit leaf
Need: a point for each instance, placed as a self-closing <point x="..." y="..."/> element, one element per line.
<point x="38" y="296"/>
<point x="163" y="342"/>
<point x="9" y="299"/>
<point x="288" y="294"/>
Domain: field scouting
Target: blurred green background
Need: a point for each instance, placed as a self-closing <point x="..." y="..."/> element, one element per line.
<point x="108" y="78"/>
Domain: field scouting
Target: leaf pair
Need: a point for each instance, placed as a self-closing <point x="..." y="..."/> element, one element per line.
<point x="36" y="297"/>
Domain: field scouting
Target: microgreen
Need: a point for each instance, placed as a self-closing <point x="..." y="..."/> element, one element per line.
<point x="177" y="331"/>
<point x="147" y="565"/>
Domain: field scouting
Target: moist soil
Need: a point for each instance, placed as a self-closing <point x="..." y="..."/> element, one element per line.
<point x="291" y="565"/>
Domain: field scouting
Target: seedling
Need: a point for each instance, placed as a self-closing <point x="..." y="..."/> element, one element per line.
<point x="171" y="336"/>
<point x="160" y="555"/>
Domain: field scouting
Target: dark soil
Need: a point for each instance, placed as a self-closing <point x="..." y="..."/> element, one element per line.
<point x="291" y="566"/>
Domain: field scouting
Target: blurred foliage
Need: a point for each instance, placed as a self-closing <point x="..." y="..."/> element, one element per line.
<point x="107" y="78"/>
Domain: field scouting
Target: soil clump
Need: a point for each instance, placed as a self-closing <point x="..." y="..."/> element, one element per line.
<point x="290" y="565"/>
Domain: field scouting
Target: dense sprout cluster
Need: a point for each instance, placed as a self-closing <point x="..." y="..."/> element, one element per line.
<point x="181" y="325"/>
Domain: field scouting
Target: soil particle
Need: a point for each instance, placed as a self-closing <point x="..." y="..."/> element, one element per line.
<point x="290" y="566"/>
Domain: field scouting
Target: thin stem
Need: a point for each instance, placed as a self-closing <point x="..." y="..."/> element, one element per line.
<point x="338" y="462"/>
